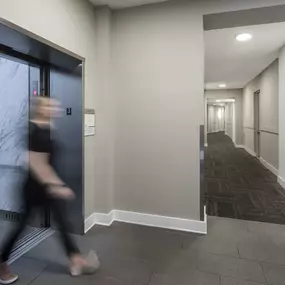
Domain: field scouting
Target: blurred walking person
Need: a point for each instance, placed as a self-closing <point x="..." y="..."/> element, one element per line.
<point x="44" y="188"/>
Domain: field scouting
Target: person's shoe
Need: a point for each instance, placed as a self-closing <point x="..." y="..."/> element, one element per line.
<point x="91" y="266"/>
<point x="6" y="275"/>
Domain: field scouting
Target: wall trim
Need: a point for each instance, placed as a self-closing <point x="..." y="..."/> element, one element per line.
<point x="180" y="224"/>
<point x="281" y="181"/>
<point x="265" y="163"/>
<point x="99" y="219"/>
<point x="249" y="151"/>
<point x="239" y="146"/>
<point x="269" y="166"/>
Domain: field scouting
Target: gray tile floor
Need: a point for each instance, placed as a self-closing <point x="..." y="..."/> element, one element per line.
<point x="234" y="252"/>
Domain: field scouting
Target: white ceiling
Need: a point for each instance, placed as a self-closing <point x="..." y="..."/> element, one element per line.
<point x="119" y="4"/>
<point x="236" y="63"/>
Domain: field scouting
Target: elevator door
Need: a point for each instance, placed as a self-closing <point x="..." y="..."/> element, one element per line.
<point x="19" y="81"/>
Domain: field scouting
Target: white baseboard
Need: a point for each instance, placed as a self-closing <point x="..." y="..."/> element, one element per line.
<point x="172" y="223"/>
<point x="269" y="166"/>
<point x="249" y="151"/>
<point x="281" y="181"/>
<point x="239" y="146"/>
<point x="98" y="219"/>
<point x="264" y="162"/>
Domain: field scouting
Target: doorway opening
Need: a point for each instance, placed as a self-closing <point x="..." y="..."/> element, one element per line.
<point x="242" y="159"/>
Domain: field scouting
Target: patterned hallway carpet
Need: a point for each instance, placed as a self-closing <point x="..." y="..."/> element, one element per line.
<point x="239" y="186"/>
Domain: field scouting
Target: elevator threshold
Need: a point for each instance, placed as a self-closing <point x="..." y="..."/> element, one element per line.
<point x="28" y="242"/>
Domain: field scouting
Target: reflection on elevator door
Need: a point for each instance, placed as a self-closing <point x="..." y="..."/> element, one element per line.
<point x="14" y="116"/>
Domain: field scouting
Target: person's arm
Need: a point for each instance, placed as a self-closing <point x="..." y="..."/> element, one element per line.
<point x="41" y="168"/>
<point x="44" y="172"/>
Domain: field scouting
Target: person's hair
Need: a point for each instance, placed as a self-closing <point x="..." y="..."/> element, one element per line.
<point x="36" y="103"/>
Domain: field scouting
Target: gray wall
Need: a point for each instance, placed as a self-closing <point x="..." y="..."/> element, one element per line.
<point x="267" y="83"/>
<point x="157" y="122"/>
<point x="14" y="116"/>
<point x="231" y="94"/>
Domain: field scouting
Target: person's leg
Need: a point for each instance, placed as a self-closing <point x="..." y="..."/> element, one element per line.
<point x="77" y="264"/>
<point x="6" y="275"/>
<point x="13" y="236"/>
<point x="67" y="241"/>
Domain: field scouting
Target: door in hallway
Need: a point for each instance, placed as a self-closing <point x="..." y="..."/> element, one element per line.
<point x="256" y="124"/>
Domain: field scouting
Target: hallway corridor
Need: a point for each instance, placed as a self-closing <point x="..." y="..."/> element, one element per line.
<point x="239" y="186"/>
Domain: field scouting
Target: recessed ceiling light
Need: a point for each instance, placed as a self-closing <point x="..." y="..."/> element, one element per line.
<point x="243" y="37"/>
<point x="222" y="85"/>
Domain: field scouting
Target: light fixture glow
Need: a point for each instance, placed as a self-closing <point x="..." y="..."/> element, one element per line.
<point x="243" y="37"/>
<point x="222" y="85"/>
<point x="218" y="101"/>
<point x="220" y="114"/>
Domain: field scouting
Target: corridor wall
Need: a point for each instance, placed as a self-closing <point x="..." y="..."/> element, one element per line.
<point x="229" y="120"/>
<point x="267" y="83"/>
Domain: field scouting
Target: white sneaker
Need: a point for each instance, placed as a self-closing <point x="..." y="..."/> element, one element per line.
<point x="9" y="281"/>
<point x="6" y="275"/>
<point x="92" y="266"/>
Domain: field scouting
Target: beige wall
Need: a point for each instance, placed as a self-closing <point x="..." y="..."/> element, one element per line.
<point x="231" y="94"/>
<point x="71" y="24"/>
<point x="159" y="109"/>
<point x="267" y="83"/>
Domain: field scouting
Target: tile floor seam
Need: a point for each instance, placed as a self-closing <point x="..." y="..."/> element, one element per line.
<point x="238" y="278"/>
<point x="30" y="283"/>
<point x="219" y="254"/>
<point x="151" y="275"/>
<point x="238" y="251"/>
<point x="264" y="273"/>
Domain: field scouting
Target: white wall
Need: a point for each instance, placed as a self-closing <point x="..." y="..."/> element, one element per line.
<point x="71" y="24"/>
<point x="282" y="116"/>
<point x="267" y="83"/>
<point x="231" y="94"/>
